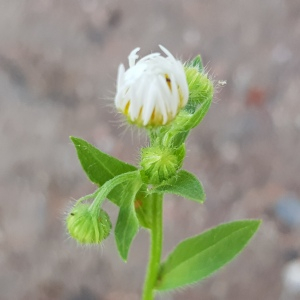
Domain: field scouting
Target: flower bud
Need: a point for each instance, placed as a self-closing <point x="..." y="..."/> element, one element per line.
<point x="87" y="227"/>
<point x="160" y="164"/>
<point x="200" y="86"/>
<point x="153" y="90"/>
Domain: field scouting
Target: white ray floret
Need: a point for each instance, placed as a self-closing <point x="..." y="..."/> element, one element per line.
<point x="153" y="89"/>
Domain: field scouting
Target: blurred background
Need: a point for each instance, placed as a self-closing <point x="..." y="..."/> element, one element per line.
<point x="58" y="66"/>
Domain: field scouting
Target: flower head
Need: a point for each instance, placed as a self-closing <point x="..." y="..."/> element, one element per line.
<point x="161" y="163"/>
<point x="153" y="90"/>
<point x="200" y="85"/>
<point x="87" y="227"/>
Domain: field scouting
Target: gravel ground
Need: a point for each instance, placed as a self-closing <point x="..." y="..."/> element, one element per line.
<point x="58" y="64"/>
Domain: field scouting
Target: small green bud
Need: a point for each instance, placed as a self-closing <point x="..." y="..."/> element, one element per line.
<point x="86" y="226"/>
<point x="200" y="86"/>
<point x="160" y="164"/>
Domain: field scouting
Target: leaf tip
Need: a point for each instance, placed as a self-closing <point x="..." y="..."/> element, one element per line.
<point x="123" y="255"/>
<point x="258" y="223"/>
<point x="72" y="138"/>
<point x="255" y="222"/>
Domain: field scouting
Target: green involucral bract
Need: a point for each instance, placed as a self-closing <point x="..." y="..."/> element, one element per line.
<point x="160" y="163"/>
<point x="200" y="86"/>
<point x="87" y="226"/>
<point x="196" y="63"/>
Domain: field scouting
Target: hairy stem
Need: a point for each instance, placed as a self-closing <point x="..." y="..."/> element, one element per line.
<point x="156" y="247"/>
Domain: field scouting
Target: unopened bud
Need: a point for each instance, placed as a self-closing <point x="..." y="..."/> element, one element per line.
<point x="86" y="226"/>
<point x="160" y="164"/>
<point x="200" y="86"/>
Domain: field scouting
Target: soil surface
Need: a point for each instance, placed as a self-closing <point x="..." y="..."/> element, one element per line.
<point x="58" y="66"/>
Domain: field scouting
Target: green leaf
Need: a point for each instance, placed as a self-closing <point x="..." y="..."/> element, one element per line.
<point x="185" y="121"/>
<point x="202" y="255"/>
<point x="143" y="209"/>
<point x="179" y="138"/>
<point x="186" y="185"/>
<point x="198" y="116"/>
<point x="127" y="224"/>
<point x="99" y="166"/>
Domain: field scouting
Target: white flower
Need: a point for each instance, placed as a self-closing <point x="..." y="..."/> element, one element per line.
<point x="153" y="90"/>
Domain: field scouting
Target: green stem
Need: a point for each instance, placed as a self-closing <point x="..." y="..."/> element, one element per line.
<point x="108" y="186"/>
<point x="90" y="196"/>
<point x="156" y="247"/>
